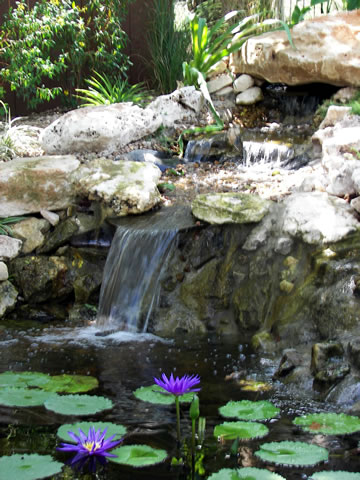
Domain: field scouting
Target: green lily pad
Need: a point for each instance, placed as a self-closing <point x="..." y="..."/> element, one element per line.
<point x="298" y="454"/>
<point x="156" y="394"/>
<point x="329" y="423"/>
<point x="250" y="385"/>
<point x="332" y="475"/>
<point x="138" y="455"/>
<point x="248" y="410"/>
<point x="78" y="404"/>
<point x="56" y="383"/>
<point x="247" y="473"/>
<point x="241" y="430"/>
<point x="23" y="397"/>
<point x="112" y="429"/>
<point x="29" y="467"/>
<point x="23" y="379"/>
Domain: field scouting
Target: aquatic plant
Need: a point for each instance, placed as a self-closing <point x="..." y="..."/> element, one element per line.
<point x="240" y="430"/>
<point x="155" y="394"/>
<point x="29" y="467"/>
<point x="329" y="423"/>
<point x="90" y="448"/>
<point x="245" y="474"/>
<point x="248" y="410"/>
<point x="23" y="397"/>
<point x="77" y="404"/>
<point x="112" y="429"/>
<point x="177" y="387"/>
<point x="104" y="91"/>
<point x="335" y="475"/>
<point x="298" y="454"/>
<point x="138" y="455"/>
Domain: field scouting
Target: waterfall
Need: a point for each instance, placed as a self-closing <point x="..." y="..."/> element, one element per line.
<point x="137" y="258"/>
<point x="266" y="152"/>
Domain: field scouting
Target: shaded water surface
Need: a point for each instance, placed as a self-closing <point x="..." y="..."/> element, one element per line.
<point x="123" y="362"/>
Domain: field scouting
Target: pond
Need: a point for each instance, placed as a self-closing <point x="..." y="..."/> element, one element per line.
<point x="123" y="362"/>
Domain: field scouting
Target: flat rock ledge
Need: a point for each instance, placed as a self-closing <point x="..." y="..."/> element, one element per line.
<point x="221" y="208"/>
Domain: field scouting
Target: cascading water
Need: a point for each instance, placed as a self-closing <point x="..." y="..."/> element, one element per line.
<point x="137" y="257"/>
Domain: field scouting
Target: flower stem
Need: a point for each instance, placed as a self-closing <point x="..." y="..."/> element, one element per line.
<point x="177" y="403"/>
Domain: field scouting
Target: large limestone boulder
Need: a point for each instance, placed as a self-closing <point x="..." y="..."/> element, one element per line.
<point x="327" y="51"/>
<point x="32" y="233"/>
<point x="220" y="208"/>
<point x="28" y="185"/>
<point x="122" y="187"/>
<point x="99" y="129"/>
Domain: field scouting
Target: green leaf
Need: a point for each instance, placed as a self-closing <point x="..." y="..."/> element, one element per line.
<point x="23" y="397"/>
<point x="78" y="404"/>
<point x="241" y="430"/>
<point x="23" y="379"/>
<point x="70" y="383"/>
<point x="138" y="455"/>
<point x="112" y="429"/>
<point x="329" y="423"/>
<point x="163" y="187"/>
<point x="156" y="394"/>
<point x="247" y="473"/>
<point x="333" y="475"/>
<point x="292" y="453"/>
<point x="29" y="467"/>
<point x="248" y="410"/>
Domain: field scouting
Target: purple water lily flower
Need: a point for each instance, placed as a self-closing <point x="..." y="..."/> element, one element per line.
<point x="178" y="386"/>
<point x="90" y="448"/>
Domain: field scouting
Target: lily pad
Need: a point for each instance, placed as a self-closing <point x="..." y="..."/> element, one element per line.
<point x="23" y="397"/>
<point x="112" y="429"/>
<point x="23" y="379"/>
<point x="78" y="404"/>
<point x="329" y="423"/>
<point x="248" y="410"/>
<point x="29" y="467"/>
<point x="298" y="454"/>
<point x="156" y="394"/>
<point x="247" y="473"/>
<point x="332" y="475"/>
<point x="250" y="385"/>
<point x="138" y="455"/>
<point x="241" y="430"/>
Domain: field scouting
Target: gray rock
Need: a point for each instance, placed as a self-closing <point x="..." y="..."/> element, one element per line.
<point x="243" y="82"/>
<point x="8" y="296"/>
<point x="4" y="274"/>
<point x="250" y="96"/>
<point x="52" y="217"/>
<point x="32" y="233"/>
<point x="219" y="82"/>
<point x="9" y="247"/>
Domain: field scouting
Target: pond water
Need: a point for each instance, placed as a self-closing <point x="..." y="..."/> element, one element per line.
<point x="122" y="362"/>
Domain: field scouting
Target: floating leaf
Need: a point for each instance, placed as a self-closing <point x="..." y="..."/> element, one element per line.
<point x="292" y="453"/>
<point x="156" y="394"/>
<point x="335" y="476"/>
<point x="254" y="386"/>
<point x="138" y="455"/>
<point x="247" y="473"/>
<point x="23" y="379"/>
<point x="248" y="410"/>
<point x="112" y="429"/>
<point x="70" y="383"/>
<point x="241" y="430"/>
<point x="29" y="467"/>
<point x="78" y="404"/>
<point x="23" y="397"/>
<point x="329" y="423"/>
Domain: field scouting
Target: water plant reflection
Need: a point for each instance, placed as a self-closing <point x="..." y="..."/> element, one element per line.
<point x="90" y="448"/>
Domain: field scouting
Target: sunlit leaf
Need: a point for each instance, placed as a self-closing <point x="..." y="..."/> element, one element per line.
<point x="241" y="430"/>
<point x="23" y="397"/>
<point x="28" y="467"/>
<point x="112" y="429"/>
<point x="248" y="410"/>
<point x="247" y="473"/>
<point x="70" y="383"/>
<point x="156" y="394"/>
<point x="138" y="455"/>
<point x="78" y="404"/>
<point x="332" y="475"/>
<point x="254" y="386"/>
<point x="329" y="423"/>
<point x="292" y="453"/>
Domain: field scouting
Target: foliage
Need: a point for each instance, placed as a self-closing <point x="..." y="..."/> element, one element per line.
<point x="292" y="453"/>
<point x="103" y="91"/>
<point x="4" y="223"/>
<point x="168" y="46"/>
<point x="57" y="42"/>
<point x="156" y="394"/>
<point x="245" y="474"/>
<point x="329" y="423"/>
<point x="328" y="5"/>
<point x="248" y="410"/>
<point x="78" y="404"/>
<point x="29" y="467"/>
<point x="138" y="455"/>
<point x="23" y="397"/>
<point x="241" y="430"/>
<point x="298" y="15"/>
<point x="111" y="429"/>
<point x="336" y="475"/>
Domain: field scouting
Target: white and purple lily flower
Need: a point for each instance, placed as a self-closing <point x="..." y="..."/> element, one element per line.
<point x="178" y="386"/>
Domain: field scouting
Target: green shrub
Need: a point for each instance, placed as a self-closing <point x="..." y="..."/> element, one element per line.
<point x="169" y="46"/>
<point x="46" y="51"/>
